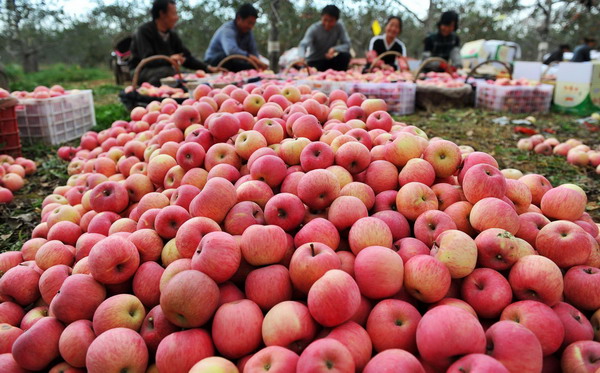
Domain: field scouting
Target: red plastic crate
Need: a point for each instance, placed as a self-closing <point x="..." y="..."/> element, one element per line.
<point x="10" y="142"/>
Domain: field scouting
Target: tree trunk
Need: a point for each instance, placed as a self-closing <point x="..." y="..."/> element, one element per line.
<point x="30" y="61"/>
<point x="430" y="20"/>
<point x="544" y="43"/>
<point x="273" y="45"/>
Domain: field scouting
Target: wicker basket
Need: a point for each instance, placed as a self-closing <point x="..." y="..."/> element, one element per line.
<point x="134" y="98"/>
<point x="433" y="98"/>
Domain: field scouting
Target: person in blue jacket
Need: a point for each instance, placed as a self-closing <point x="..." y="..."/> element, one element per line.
<point x="235" y="37"/>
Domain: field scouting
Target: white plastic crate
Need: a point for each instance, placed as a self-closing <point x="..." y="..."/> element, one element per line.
<point x="56" y="120"/>
<point x="326" y="86"/>
<point x="400" y="96"/>
<point x="514" y="99"/>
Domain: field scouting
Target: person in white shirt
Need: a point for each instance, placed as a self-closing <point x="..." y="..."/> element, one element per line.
<point x="388" y="42"/>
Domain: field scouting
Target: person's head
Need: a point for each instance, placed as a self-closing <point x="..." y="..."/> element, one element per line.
<point x="448" y="23"/>
<point x="590" y="42"/>
<point x="564" y="48"/>
<point x="245" y="18"/>
<point x="329" y="16"/>
<point x="165" y="12"/>
<point x="393" y="26"/>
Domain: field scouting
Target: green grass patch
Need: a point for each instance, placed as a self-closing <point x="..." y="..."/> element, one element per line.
<point x="19" y="218"/>
<point x="62" y="74"/>
<point x="107" y="114"/>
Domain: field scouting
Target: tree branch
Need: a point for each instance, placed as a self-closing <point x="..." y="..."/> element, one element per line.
<point x="399" y="2"/>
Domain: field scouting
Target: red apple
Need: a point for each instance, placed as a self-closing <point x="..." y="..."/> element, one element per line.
<point x="426" y="278"/>
<point x="117" y="350"/>
<point x="483" y="181"/>
<point x="541" y="320"/>
<point x="189" y="299"/>
<point x="535" y="277"/>
<point x="79" y="297"/>
<point x="394" y="360"/>
<point x="38" y="347"/>
<point x="438" y="340"/>
<point x="268" y="286"/>
<point x="218" y="256"/>
<point x="272" y="359"/>
<point x="325" y="355"/>
<point x="494" y="213"/>
<point x="564" y="242"/>
<point x="155" y="328"/>
<point x="334" y="298"/>
<point x="75" y="341"/>
<point x="581" y="356"/>
<point x="288" y="324"/>
<point x="415" y="198"/>
<point x="487" y="291"/>
<point x="113" y="260"/>
<point x="378" y="272"/>
<point x="581" y="287"/>
<point x="393" y="324"/>
<point x="236" y="328"/>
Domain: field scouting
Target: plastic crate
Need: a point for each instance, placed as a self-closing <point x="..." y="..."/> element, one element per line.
<point x="514" y="99"/>
<point x="10" y="142"/>
<point x="326" y="86"/>
<point x="56" y="120"/>
<point x="400" y="96"/>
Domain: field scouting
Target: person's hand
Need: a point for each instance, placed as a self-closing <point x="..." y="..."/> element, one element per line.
<point x="258" y="62"/>
<point x="330" y="53"/>
<point x="178" y="58"/>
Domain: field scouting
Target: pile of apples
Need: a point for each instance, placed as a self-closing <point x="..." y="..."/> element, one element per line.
<point x="515" y="82"/>
<point x="443" y="80"/>
<point x="164" y="91"/>
<point x="278" y="229"/>
<point x="576" y="152"/>
<point x="356" y="76"/>
<point x="12" y="176"/>
<point x="40" y="92"/>
<point x="242" y="76"/>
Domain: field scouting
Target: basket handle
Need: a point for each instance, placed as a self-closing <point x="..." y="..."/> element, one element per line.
<point x="237" y="57"/>
<point x="297" y="62"/>
<point x="430" y="60"/>
<point x="474" y="69"/>
<point x="385" y="54"/>
<point x="136" y="74"/>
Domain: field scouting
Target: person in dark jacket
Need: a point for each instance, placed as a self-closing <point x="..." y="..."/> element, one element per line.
<point x="157" y="37"/>
<point x="582" y="52"/>
<point x="326" y="44"/>
<point x="389" y="41"/>
<point x="445" y="43"/>
<point x="557" y="55"/>
<point x="236" y="37"/>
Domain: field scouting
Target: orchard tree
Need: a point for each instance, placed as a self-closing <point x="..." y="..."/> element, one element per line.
<point x="25" y="26"/>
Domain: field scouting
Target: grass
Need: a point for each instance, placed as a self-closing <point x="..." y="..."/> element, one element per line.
<point x="18" y="218"/>
<point x="475" y="128"/>
<point x="51" y="75"/>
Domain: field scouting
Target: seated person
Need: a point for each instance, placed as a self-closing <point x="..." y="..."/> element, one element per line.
<point x="582" y="52"/>
<point x="158" y="37"/>
<point x="445" y="43"/>
<point x="236" y="37"/>
<point x="327" y="42"/>
<point x="389" y="42"/>
<point x="557" y="55"/>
